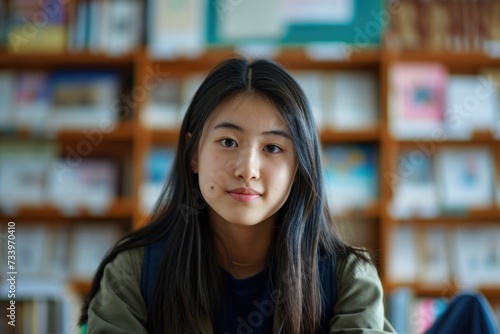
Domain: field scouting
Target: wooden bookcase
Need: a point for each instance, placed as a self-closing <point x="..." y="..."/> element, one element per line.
<point x="131" y="140"/>
<point x="456" y="63"/>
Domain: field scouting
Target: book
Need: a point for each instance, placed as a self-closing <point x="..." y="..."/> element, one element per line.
<point x="189" y="86"/>
<point x="471" y="105"/>
<point x="96" y="17"/>
<point x="23" y="167"/>
<point x="444" y="25"/>
<point x="36" y="26"/>
<point x="32" y="102"/>
<point x="40" y="260"/>
<point x="158" y="165"/>
<point x="7" y="115"/>
<point x="162" y="108"/>
<point x="32" y="249"/>
<point x="44" y="315"/>
<point x="124" y="26"/>
<point x="434" y="268"/>
<point x="176" y="27"/>
<point x="89" y="244"/>
<point x="414" y="187"/>
<point x="498" y="180"/>
<point x="82" y="100"/>
<point x="347" y="111"/>
<point x="465" y="178"/>
<point x="311" y="83"/>
<point x="3" y="23"/>
<point x="438" y="27"/>
<point x="416" y="99"/>
<point x="492" y="77"/>
<point x="79" y="40"/>
<point x="350" y="174"/>
<point x="406" y="25"/>
<point x="424" y="313"/>
<point x="115" y="26"/>
<point x="492" y="43"/>
<point x="91" y="183"/>
<point x="399" y="309"/>
<point x="402" y="264"/>
<point x="477" y="256"/>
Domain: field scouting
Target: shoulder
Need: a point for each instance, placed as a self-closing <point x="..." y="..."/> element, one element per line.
<point x="118" y="305"/>
<point x="351" y="267"/>
<point x="131" y="258"/>
<point x="124" y="270"/>
<point x="358" y="279"/>
<point x="359" y="297"/>
<point x="127" y="264"/>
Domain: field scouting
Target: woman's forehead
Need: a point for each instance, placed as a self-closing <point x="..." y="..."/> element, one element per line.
<point x="246" y="109"/>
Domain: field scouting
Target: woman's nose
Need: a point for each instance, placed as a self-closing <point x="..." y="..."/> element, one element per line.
<point x="248" y="165"/>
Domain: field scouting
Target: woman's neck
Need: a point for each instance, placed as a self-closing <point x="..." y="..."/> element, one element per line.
<point x="242" y="250"/>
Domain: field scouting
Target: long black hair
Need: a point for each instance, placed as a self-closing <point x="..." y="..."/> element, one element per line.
<point x="189" y="283"/>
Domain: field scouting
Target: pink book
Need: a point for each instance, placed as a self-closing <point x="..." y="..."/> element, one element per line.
<point x="419" y="90"/>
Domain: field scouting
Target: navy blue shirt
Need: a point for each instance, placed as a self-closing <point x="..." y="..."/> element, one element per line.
<point x="247" y="305"/>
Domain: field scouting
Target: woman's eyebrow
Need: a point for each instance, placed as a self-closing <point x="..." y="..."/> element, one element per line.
<point x="228" y="125"/>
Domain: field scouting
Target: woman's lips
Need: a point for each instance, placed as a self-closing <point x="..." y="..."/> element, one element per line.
<point x="244" y="194"/>
<point x="244" y="197"/>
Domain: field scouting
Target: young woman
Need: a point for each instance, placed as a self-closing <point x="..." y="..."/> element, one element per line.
<point x="241" y="240"/>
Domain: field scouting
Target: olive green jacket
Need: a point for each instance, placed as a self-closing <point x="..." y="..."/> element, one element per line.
<point x="118" y="306"/>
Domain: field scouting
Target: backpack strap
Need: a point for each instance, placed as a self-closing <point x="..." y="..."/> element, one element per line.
<point x="151" y="259"/>
<point x="328" y="277"/>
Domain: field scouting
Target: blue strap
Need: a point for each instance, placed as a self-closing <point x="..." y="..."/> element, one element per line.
<point x="329" y="291"/>
<point x="151" y="261"/>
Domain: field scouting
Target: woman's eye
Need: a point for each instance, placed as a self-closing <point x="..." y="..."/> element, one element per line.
<point x="273" y="149"/>
<point x="228" y="142"/>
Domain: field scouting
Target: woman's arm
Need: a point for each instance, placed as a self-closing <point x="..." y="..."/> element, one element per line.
<point x="359" y="307"/>
<point x="118" y="306"/>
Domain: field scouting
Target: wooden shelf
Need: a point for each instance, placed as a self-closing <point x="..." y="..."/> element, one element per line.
<point x="335" y="136"/>
<point x="120" y="208"/>
<point x="369" y="212"/>
<point x="471" y="216"/>
<point x="446" y="290"/>
<point x="81" y="287"/>
<point x="291" y="58"/>
<point x="169" y="137"/>
<point x="297" y="58"/>
<point x="478" y="138"/>
<point x="44" y="60"/>
<point x="450" y="59"/>
<point x="122" y="132"/>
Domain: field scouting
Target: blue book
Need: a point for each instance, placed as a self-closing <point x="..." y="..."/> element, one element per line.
<point x="399" y="303"/>
<point x="351" y="176"/>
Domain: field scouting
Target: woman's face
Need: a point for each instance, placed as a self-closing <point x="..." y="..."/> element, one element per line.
<point x="245" y="161"/>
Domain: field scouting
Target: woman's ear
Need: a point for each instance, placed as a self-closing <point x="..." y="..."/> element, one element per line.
<point x="194" y="162"/>
<point x="194" y="158"/>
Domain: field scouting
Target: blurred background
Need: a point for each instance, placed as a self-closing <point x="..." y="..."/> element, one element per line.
<point x="406" y="99"/>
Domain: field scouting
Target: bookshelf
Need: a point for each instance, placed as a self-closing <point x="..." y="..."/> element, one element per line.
<point x="134" y="140"/>
<point x="130" y="141"/>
